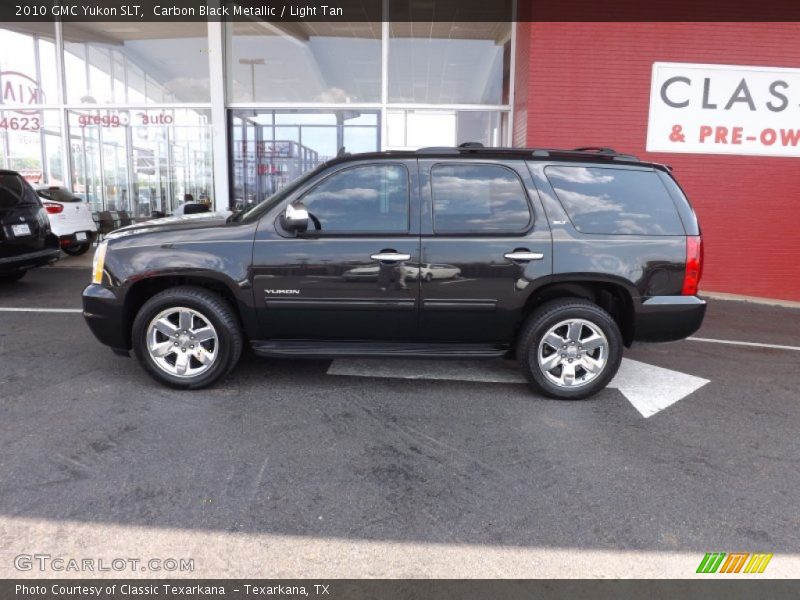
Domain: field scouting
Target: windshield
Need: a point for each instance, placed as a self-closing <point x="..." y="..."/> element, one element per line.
<point x="58" y="194"/>
<point x="254" y="213"/>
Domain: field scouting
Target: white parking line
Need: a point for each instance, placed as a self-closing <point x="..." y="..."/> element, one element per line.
<point x="44" y="310"/>
<point x="738" y="343"/>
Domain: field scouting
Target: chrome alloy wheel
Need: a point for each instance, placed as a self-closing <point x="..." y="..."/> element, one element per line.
<point x="572" y="353"/>
<point x="182" y="342"/>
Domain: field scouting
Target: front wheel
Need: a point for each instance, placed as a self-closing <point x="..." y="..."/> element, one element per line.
<point x="77" y="250"/>
<point x="570" y="349"/>
<point x="187" y="337"/>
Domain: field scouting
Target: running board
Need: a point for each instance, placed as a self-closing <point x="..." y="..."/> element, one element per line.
<point x="360" y="349"/>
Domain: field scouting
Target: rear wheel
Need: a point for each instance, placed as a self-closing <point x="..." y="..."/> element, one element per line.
<point x="12" y="277"/>
<point x="78" y="249"/>
<point x="187" y="337"/>
<point x="570" y="349"/>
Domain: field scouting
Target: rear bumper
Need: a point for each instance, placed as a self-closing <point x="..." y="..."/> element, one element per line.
<point x="668" y="318"/>
<point x="29" y="260"/>
<point x="105" y="315"/>
<point x="71" y="239"/>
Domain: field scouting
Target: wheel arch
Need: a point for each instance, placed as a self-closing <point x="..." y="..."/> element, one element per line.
<point x="611" y="295"/>
<point x="143" y="289"/>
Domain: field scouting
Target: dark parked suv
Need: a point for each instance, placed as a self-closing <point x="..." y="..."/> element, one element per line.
<point x="559" y="257"/>
<point x="25" y="237"/>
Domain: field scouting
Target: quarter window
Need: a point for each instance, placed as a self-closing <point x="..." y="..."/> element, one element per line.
<point x="615" y="201"/>
<point x="478" y="199"/>
<point x="366" y="199"/>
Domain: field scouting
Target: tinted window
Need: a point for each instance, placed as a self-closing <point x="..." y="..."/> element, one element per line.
<point x="477" y="199"/>
<point x="15" y="191"/>
<point x="58" y="195"/>
<point x="616" y="201"/>
<point x="366" y="199"/>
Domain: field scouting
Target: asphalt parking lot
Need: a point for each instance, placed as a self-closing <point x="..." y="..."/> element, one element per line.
<point x="292" y="470"/>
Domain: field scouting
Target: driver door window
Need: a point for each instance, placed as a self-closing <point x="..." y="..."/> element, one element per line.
<point x="363" y="199"/>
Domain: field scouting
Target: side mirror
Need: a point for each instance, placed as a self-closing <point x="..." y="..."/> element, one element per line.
<point x="295" y="218"/>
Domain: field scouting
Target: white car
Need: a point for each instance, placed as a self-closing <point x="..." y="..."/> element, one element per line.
<point x="70" y="219"/>
<point x="429" y="272"/>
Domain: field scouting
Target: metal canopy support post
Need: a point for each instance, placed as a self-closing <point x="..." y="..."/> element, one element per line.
<point x="219" y="120"/>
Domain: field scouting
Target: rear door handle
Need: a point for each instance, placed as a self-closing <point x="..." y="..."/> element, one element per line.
<point x="523" y="255"/>
<point x="390" y="256"/>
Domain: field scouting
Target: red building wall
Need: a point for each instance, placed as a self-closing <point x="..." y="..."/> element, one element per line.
<point x="588" y="84"/>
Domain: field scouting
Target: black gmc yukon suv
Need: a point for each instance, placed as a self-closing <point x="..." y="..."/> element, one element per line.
<point x="559" y="257"/>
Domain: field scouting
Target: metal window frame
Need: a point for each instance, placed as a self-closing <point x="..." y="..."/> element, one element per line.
<point x="219" y="106"/>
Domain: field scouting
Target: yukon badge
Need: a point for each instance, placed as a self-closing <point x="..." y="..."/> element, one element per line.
<point x="281" y="291"/>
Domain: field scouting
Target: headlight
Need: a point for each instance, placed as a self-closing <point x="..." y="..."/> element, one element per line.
<point x="99" y="261"/>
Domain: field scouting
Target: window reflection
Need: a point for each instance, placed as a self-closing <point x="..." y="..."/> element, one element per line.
<point x="23" y="79"/>
<point x="122" y="63"/>
<point x="271" y="148"/>
<point x="326" y="62"/>
<point x="478" y="198"/>
<point x="615" y="201"/>
<point x="30" y="142"/>
<point x="140" y="161"/>
<point x="371" y="198"/>
<point x="455" y="63"/>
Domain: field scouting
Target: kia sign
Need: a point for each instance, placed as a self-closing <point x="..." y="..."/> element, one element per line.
<point x="723" y="109"/>
<point x="18" y="88"/>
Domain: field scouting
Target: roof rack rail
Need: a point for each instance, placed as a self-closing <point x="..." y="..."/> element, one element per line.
<point x="584" y="152"/>
<point x="438" y="150"/>
<point x="596" y="149"/>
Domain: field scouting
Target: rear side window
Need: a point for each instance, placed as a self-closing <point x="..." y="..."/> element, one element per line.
<point x="15" y="191"/>
<point x="615" y="201"/>
<point x="472" y="198"/>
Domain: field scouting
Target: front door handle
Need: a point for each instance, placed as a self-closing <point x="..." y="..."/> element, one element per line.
<point x="523" y="255"/>
<point x="390" y="256"/>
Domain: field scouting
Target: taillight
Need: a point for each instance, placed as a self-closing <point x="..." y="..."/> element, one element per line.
<point x="694" y="265"/>
<point x="52" y="207"/>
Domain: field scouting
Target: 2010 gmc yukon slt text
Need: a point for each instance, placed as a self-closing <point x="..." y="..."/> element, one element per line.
<point x="559" y="257"/>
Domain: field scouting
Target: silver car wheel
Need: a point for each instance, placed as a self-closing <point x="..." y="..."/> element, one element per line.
<point x="573" y="353"/>
<point x="182" y="342"/>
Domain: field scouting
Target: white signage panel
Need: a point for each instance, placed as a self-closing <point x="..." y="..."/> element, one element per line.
<point x="723" y="109"/>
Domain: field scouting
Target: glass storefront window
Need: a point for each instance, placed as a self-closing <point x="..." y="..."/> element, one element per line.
<point x="271" y="148"/>
<point x="23" y="78"/>
<point x="411" y="129"/>
<point x="30" y="142"/>
<point x="128" y="63"/>
<point x="330" y="63"/>
<point x="449" y="63"/>
<point x="141" y="161"/>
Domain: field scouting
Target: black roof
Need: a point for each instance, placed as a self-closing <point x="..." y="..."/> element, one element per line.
<point x="474" y="150"/>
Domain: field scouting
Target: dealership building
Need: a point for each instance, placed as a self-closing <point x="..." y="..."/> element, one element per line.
<point x="134" y="115"/>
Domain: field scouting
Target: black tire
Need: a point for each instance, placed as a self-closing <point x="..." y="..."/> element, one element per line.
<point x="429" y="277"/>
<point x="12" y="277"/>
<point x="549" y="315"/>
<point x="78" y="249"/>
<point x="214" y="309"/>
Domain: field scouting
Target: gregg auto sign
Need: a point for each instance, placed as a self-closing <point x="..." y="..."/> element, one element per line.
<point x="722" y="109"/>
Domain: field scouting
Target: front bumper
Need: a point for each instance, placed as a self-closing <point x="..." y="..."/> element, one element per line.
<point x="29" y="260"/>
<point x="668" y="318"/>
<point x="105" y="315"/>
